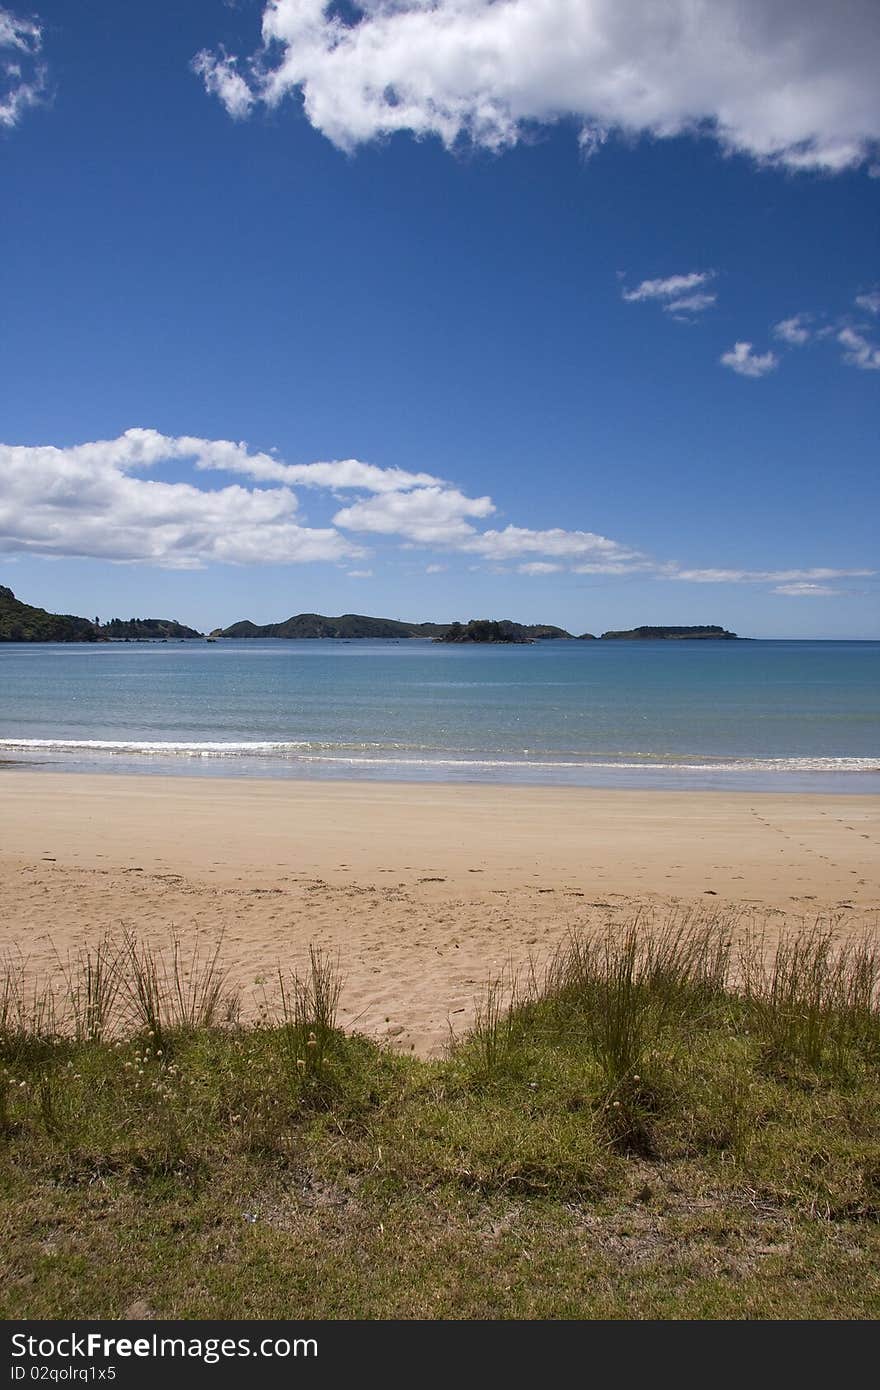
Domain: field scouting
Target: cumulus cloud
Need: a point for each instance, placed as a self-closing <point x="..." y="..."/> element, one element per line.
<point x="340" y="474"/>
<point x="690" y="304"/>
<point x="427" y="516"/>
<point x="514" y="541"/>
<point x="143" y="448"/>
<point x="443" y="517"/>
<point x="858" y="348"/>
<point x="859" y="351"/>
<point x="84" y="502"/>
<point x="677" y="293"/>
<point x="92" y="500"/>
<point x="629" y="565"/>
<point x="793" y="331"/>
<point x="870" y="301"/>
<point x="222" y="79"/>
<point x="15" y="32"/>
<point x="805" y="590"/>
<point x="793" y="83"/>
<point x="22" y="75"/>
<point x="733" y="576"/>
<point x="741" y="359"/>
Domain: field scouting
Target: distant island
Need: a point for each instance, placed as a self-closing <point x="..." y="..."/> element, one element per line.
<point x="20" y="622"/>
<point x="145" y="630"/>
<point x="349" y="625"/>
<point x="487" y="630"/>
<point x="672" y="634"/>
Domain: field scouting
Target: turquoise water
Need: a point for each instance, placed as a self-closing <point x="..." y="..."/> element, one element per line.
<point x="753" y="715"/>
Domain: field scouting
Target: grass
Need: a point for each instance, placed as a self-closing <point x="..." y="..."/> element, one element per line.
<point x="672" y="1121"/>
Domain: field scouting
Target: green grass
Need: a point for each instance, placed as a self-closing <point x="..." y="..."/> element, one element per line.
<point x="664" y="1125"/>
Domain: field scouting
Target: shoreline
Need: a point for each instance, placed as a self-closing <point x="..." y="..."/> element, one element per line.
<point x="845" y="777"/>
<point x="423" y="890"/>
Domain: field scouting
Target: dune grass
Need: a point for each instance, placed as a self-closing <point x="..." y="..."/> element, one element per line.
<point x="669" y="1121"/>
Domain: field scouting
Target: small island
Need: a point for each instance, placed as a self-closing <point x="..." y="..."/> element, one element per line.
<point x="145" y="630"/>
<point x="312" y="625"/>
<point x="21" y="622"/>
<point x="672" y="634"/>
<point x="487" y="630"/>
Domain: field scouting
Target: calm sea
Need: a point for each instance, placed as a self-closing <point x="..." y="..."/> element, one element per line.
<point x="779" y="716"/>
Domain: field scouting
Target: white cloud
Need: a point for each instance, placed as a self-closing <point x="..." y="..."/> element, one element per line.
<point x="425" y="516"/>
<point x="859" y="351"/>
<point x="793" y="83"/>
<point x="741" y="359"/>
<point x="624" y="566"/>
<point x="340" y="474"/>
<point x="143" y="448"/>
<point x="87" y="500"/>
<point x="690" y="304"/>
<point x="671" y="288"/>
<point x="869" y="301"/>
<point x="793" y="331"/>
<point x="443" y="516"/>
<point x="219" y="73"/>
<point x="23" y="34"/>
<point x="514" y="541"/>
<point x="22" y="75"/>
<point x="732" y="576"/>
<point x="90" y="500"/>
<point x="679" y="295"/>
<point x="591" y="137"/>
<point x="805" y="590"/>
<point x="83" y="501"/>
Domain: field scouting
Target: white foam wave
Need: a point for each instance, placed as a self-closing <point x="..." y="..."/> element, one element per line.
<point x="312" y="752"/>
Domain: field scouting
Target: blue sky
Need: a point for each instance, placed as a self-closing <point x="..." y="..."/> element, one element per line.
<point x="568" y="349"/>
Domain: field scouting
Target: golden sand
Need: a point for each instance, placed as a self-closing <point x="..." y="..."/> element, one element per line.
<point x="422" y="890"/>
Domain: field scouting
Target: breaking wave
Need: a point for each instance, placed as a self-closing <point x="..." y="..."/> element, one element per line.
<point x="353" y="755"/>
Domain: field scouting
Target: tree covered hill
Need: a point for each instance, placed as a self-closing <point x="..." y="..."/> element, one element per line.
<point x="317" y="625"/>
<point x="672" y="634"/>
<point x="145" y="629"/>
<point x="20" y="622"/>
<point x="486" y="630"/>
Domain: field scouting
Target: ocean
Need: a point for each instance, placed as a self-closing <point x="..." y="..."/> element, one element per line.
<point x="773" y="716"/>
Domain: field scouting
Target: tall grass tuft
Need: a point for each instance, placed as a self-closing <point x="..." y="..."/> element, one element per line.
<point x="93" y="982"/>
<point x="143" y="987"/>
<point x="309" y="1006"/>
<point x="496" y="1024"/>
<point x="859" y="999"/>
<point x="813" y="999"/>
<point x="626" y="991"/>
<point x="29" y="1011"/>
<point x="176" y="990"/>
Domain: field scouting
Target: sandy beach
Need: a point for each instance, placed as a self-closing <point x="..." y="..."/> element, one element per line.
<point x="423" y="891"/>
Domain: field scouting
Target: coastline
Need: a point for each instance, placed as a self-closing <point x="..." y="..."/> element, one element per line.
<point x="423" y="890"/>
<point x="302" y="762"/>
